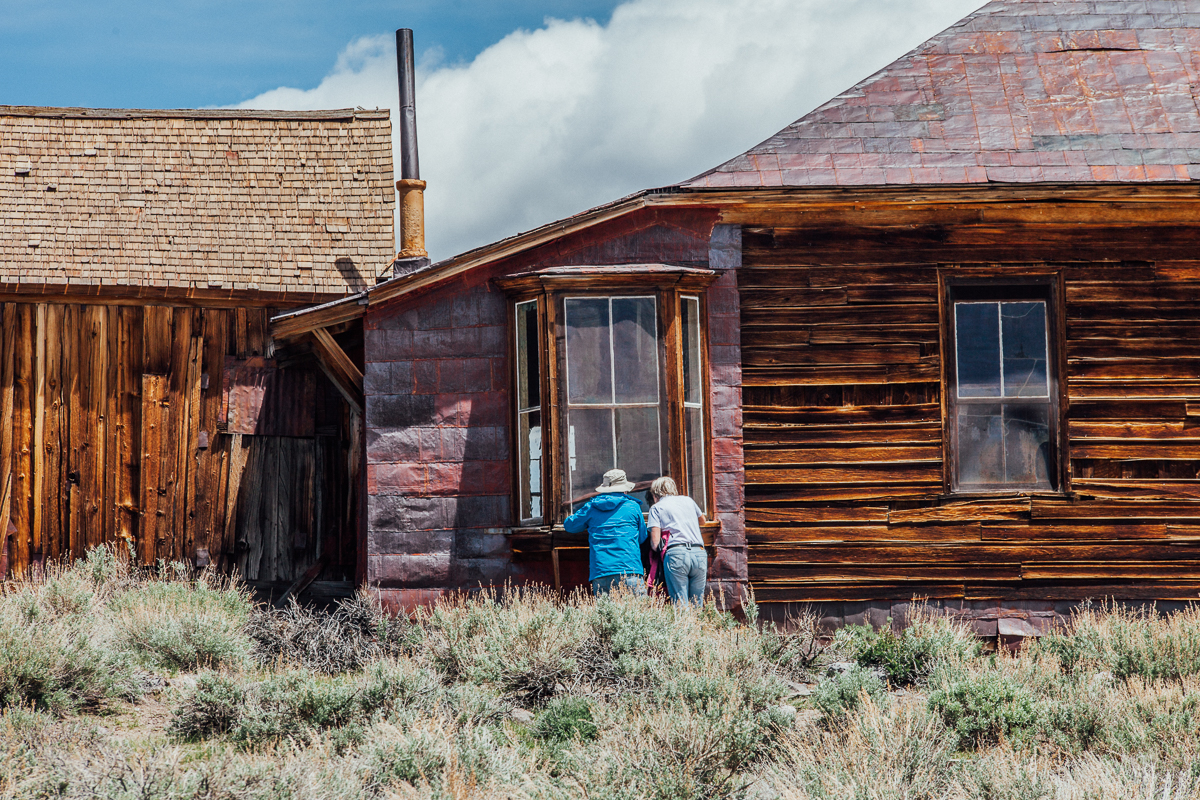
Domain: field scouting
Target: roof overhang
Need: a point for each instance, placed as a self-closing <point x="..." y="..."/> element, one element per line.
<point x="1160" y="201"/>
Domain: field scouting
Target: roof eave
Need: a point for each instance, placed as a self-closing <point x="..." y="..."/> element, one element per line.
<point x="297" y="323"/>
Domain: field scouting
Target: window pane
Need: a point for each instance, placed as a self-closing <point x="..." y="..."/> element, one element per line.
<point x="529" y="440"/>
<point x="589" y="364"/>
<point x="589" y="450"/>
<point x="639" y="450"/>
<point x="528" y="357"/>
<point x="980" y="456"/>
<point x="690" y="311"/>
<point x="977" y="349"/>
<point x="635" y="349"/>
<point x="1024" y="337"/>
<point x="694" y="419"/>
<point x="1004" y="445"/>
<point x="1027" y="445"/>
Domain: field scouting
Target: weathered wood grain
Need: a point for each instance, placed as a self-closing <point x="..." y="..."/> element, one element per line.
<point x="849" y="454"/>
<point x="867" y="533"/>
<point x="967" y="511"/>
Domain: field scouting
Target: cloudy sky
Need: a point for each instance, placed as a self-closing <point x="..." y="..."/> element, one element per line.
<point x="528" y="111"/>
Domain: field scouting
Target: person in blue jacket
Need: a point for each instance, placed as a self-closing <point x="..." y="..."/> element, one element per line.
<point x="616" y="529"/>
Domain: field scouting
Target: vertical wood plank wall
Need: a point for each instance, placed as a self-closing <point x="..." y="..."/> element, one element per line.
<point x="102" y="413"/>
<point x="843" y="429"/>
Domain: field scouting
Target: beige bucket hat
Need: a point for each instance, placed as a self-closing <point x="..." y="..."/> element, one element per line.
<point x="615" y="481"/>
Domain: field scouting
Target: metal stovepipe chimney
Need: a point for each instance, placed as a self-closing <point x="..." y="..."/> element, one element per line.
<point x="412" y="253"/>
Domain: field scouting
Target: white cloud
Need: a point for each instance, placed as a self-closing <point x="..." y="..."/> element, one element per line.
<point x="546" y="123"/>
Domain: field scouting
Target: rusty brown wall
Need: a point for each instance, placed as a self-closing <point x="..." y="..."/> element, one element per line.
<point x="112" y="431"/>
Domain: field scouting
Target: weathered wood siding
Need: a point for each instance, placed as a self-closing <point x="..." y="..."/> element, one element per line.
<point x="843" y="417"/>
<point x="110" y="431"/>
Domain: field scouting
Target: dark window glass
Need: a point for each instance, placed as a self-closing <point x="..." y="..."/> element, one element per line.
<point x="589" y="350"/>
<point x="977" y="333"/>
<point x="693" y="409"/>
<point x="1023" y="333"/>
<point x="613" y="414"/>
<point x="1002" y="398"/>
<point x="529" y="415"/>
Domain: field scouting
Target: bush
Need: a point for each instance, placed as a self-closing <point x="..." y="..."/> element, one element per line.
<point x="183" y="625"/>
<point x="212" y="708"/>
<point x="1129" y="642"/>
<point x="53" y="652"/>
<point x="879" y="753"/>
<point x="912" y="654"/>
<point x="297" y="705"/>
<point x="988" y="707"/>
<point x="566" y="719"/>
<point x="842" y="692"/>
<point x="355" y="633"/>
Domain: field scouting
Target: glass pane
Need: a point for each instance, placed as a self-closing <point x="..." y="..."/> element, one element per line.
<point x="589" y="357"/>
<point x="529" y="439"/>
<point x="589" y="450"/>
<point x="690" y="311"/>
<point x="1005" y="445"/>
<point x="1027" y="445"/>
<point x="980" y="456"/>
<point x="635" y="349"/>
<point x="694" y="420"/>
<point x="639" y="450"/>
<point x="1023" y="333"/>
<point x="977" y="349"/>
<point x="528" y="356"/>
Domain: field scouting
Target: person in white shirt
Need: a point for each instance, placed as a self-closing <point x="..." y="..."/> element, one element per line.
<point x="685" y="564"/>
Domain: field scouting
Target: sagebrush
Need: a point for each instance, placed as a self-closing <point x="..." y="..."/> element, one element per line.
<point x="117" y="682"/>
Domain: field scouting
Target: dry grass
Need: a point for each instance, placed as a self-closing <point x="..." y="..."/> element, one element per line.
<point x="122" y="683"/>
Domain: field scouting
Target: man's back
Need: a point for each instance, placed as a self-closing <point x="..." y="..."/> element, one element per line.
<point x="615" y="529"/>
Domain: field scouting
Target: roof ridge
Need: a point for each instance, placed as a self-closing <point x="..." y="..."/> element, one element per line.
<point x="72" y="112"/>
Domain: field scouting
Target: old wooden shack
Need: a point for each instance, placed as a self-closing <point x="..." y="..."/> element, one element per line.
<point x="142" y="399"/>
<point x="936" y="338"/>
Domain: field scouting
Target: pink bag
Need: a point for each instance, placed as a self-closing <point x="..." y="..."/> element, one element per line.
<point x="656" y="562"/>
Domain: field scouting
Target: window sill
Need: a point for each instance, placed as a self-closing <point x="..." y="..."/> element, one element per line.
<point x="546" y="538"/>
<point x="1001" y="494"/>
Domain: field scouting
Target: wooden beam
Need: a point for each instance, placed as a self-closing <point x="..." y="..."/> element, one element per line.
<point x="334" y="362"/>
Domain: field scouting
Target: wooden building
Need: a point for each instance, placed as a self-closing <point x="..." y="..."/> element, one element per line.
<point x="142" y="399"/>
<point x="937" y="338"/>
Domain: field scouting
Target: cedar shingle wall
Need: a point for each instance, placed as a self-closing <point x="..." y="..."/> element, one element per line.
<point x="284" y="204"/>
<point x="843" y="434"/>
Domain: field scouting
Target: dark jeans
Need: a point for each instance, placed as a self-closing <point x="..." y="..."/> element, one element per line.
<point x="607" y="583"/>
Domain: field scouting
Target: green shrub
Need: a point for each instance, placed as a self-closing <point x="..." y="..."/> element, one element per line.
<point x="988" y="707"/>
<point x="183" y="625"/>
<point x="842" y="692"/>
<point x="417" y="756"/>
<point x="212" y="708"/>
<point x="53" y="657"/>
<point x="1129" y="642"/>
<point x="909" y="656"/>
<point x="566" y="719"/>
<point x="297" y="704"/>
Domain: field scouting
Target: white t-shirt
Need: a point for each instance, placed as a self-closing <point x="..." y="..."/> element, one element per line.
<point x="680" y="515"/>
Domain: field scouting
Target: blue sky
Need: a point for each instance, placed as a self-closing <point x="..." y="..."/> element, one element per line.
<point x="528" y="111"/>
<point x="194" y="53"/>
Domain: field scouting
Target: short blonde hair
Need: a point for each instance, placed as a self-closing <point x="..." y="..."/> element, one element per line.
<point x="664" y="487"/>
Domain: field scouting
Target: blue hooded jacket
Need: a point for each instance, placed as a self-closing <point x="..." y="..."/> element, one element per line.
<point x="616" y="530"/>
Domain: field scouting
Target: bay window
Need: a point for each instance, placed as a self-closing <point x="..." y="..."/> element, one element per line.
<point x="608" y="373"/>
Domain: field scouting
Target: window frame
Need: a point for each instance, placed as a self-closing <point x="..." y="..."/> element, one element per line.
<point x="1004" y="285"/>
<point x="550" y="291"/>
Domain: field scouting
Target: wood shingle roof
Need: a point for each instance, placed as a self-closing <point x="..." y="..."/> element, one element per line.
<point x="1020" y="91"/>
<point x="282" y="202"/>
